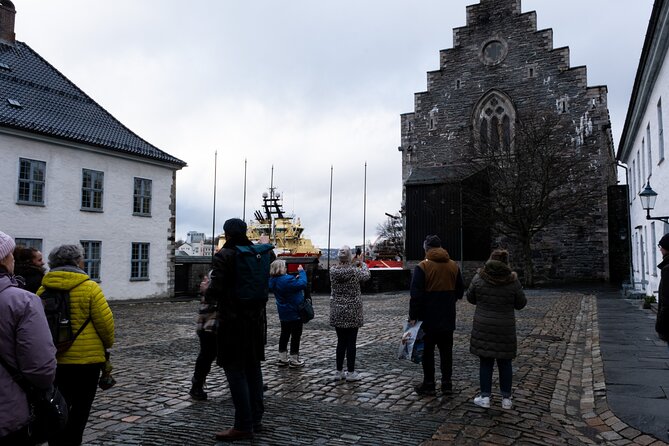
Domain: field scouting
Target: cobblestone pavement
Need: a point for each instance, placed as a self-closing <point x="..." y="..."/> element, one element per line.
<point x="559" y="388"/>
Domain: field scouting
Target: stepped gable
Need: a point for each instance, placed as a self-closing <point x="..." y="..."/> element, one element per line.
<point x="37" y="98"/>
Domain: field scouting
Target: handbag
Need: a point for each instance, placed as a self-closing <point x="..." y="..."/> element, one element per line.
<point x="412" y="344"/>
<point x="306" y="310"/>
<point x="48" y="408"/>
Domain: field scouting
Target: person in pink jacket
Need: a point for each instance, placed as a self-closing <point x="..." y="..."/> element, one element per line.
<point x="25" y="344"/>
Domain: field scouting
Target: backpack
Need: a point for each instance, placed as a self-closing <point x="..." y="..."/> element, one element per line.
<point x="252" y="271"/>
<point x="57" y="310"/>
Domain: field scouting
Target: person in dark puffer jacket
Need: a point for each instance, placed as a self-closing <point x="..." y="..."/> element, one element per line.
<point x="436" y="285"/>
<point x="497" y="293"/>
<point x="662" y="321"/>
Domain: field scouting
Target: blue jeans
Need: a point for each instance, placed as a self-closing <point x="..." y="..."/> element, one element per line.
<point x="247" y="395"/>
<point x="505" y="376"/>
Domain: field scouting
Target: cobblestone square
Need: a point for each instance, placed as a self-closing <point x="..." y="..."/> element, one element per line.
<point x="559" y="386"/>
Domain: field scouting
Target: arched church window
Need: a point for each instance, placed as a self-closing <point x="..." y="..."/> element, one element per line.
<point x="494" y="118"/>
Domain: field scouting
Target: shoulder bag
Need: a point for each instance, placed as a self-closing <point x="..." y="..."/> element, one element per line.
<point x="48" y="408"/>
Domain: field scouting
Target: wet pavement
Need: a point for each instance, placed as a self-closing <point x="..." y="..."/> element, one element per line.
<point x="565" y="391"/>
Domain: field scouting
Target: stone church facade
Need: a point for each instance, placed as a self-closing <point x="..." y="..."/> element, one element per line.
<point x="500" y="69"/>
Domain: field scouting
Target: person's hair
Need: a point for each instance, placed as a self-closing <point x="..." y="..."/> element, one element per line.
<point x="277" y="268"/>
<point x="500" y="254"/>
<point x="66" y="255"/>
<point x="24" y="256"/>
<point x="344" y="255"/>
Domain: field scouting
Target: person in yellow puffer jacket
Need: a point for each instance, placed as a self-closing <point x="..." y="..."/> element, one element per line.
<point x="79" y="367"/>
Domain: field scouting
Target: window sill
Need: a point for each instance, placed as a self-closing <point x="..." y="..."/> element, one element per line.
<point x="30" y="203"/>
<point x="99" y="211"/>
<point x="139" y="279"/>
<point x="137" y="214"/>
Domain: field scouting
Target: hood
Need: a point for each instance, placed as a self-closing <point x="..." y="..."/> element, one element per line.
<point x="7" y="281"/>
<point x="437" y="255"/>
<point x="665" y="262"/>
<point x="497" y="273"/>
<point x="64" y="278"/>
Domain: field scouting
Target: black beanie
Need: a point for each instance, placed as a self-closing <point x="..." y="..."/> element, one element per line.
<point x="234" y="226"/>
<point x="664" y="242"/>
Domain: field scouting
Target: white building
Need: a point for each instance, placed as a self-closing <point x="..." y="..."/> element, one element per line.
<point x="72" y="173"/>
<point x="642" y="149"/>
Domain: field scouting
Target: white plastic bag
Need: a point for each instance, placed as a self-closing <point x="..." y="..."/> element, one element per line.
<point x="410" y="342"/>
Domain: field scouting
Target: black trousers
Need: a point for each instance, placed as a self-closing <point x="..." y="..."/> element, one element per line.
<point x="444" y="341"/>
<point x="346" y="339"/>
<point x="78" y="383"/>
<point x="205" y="357"/>
<point x="18" y="438"/>
<point x="290" y="330"/>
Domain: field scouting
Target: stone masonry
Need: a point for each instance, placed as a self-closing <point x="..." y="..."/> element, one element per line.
<point x="500" y="57"/>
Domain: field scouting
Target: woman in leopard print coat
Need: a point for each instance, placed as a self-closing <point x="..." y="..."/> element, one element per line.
<point x="346" y="309"/>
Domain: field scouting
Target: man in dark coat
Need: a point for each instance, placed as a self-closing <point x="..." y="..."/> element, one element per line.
<point x="436" y="285"/>
<point x="662" y="321"/>
<point x="242" y="334"/>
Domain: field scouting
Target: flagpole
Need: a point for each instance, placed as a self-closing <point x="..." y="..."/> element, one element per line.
<point x="244" y="210"/>
<point x="213" y="223"/>
<point x="364" y="214"/>
<point x="330" y="217"/>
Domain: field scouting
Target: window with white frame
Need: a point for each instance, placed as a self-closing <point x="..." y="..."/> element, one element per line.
<point x="660" y="132"/>
<point x="92" y="258"/>
<point x="653" y="246"/>
<point x="638" y="171"/>
<point x="139" y="263"/>
<point x="142" y="197"/>
<point x="633" y="178"/>
<point x="650" y="151"/>
<point x="29" y="243"/>
<point x="32" y="178"/>
<point x="92" y="188"/>
<point x="647" y="248"/>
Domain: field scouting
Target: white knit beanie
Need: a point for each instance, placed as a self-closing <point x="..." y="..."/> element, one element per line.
<point x="7" y="245"/>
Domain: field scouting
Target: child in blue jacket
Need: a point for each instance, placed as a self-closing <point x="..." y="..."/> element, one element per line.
<point x="289" y="293"/>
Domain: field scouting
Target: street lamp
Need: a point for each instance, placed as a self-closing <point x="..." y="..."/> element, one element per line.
<point x="648" y="197"/>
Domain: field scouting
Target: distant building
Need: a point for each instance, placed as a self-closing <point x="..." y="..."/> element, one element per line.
<point x="642" y="149"/>
<point x="500" y="68"/>
<point x="195" y="237"/>
<point x="72" y="173"/>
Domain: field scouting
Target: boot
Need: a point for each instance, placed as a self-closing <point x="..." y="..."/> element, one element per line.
<point x="295" y="361"/>
<point x="197" y="391"/>
<point x="283" y="359"/>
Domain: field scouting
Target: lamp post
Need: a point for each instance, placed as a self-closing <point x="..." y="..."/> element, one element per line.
<point x="648" y="197"/>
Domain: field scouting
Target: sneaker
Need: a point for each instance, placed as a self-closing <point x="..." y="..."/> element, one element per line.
<point x="482" y="401"/>
<point x="283" y="359"/>
<point x="295" y="362"/>
<point x="197" y="393"/>
<point x="353" y="376"/>
<point x="507" y="403"/>
<point x="338" y="375"/>
<point x="426" y="389"/>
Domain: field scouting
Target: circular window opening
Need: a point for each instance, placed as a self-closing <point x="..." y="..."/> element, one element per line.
<point x="493" y="52"/>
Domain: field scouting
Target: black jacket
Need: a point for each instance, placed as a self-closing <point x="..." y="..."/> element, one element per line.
<point x="662" y="321"/>
<point x="242" y="328"/>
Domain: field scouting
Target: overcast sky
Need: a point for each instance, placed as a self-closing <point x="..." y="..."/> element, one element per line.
<point x="302" y="85"/>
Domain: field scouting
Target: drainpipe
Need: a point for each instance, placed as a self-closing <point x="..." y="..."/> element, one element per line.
<point x="629" y="221"/>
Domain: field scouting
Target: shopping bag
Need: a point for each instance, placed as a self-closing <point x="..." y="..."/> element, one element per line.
<point x="411" y="343"/>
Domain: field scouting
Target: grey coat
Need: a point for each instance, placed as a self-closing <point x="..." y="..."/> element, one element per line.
<point x="497" y="293"/>
<point x="26" y="344"/>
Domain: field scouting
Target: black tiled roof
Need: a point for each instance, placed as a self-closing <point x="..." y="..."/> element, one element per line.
<point x="51" y="105"/>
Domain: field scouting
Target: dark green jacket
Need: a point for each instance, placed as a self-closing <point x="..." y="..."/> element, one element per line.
<point x="497" y="293"/>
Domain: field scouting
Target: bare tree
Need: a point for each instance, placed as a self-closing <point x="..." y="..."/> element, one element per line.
<point x="390" y="243"/>
<point x="534" y="172"/>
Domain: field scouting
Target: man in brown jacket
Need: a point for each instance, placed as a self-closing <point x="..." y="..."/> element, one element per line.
<point x="436" y="285"/>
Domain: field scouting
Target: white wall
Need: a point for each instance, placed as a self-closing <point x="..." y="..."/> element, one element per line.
<point x="61" y="220"/>
<point x="643" y="230"/>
